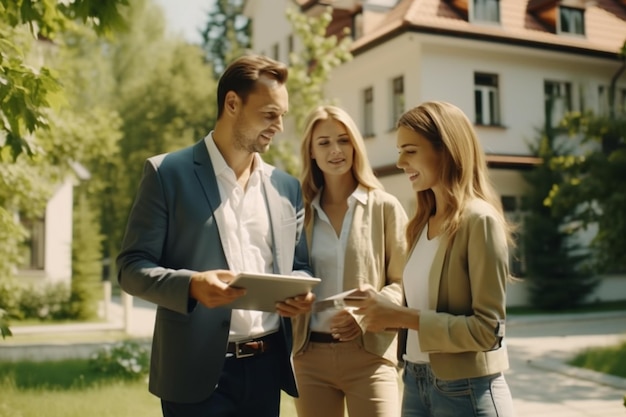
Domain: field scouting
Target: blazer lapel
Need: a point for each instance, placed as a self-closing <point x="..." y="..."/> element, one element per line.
<point x="273" y="204"/>
<point x="205" y="173"/>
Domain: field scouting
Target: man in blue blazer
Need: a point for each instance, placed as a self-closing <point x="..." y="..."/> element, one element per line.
<point x="201" y="215"/>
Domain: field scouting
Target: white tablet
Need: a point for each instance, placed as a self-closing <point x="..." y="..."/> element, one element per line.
<point x="265" y="290"/>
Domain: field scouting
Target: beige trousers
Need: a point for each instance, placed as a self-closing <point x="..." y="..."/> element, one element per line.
<point x="330" y="373"/>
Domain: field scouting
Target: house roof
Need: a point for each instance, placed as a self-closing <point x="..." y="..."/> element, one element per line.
<point x="605" y="27"/>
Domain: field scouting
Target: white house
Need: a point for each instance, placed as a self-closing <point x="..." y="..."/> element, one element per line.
<point x="501" y="61"/>
<point x="48" y="251"/>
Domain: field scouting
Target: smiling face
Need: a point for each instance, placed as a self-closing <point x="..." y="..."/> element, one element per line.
<point x="260" y="117"/>
<point x="332" y="148"/>
<point x="419" y="159"/>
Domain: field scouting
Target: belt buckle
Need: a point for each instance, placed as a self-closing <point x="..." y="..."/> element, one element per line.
<point x="240" y="355"/>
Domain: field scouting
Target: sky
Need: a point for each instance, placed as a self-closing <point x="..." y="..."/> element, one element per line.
<point x="186" y="17"/>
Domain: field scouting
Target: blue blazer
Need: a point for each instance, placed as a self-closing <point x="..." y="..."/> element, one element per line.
<point x="171" y="234"/>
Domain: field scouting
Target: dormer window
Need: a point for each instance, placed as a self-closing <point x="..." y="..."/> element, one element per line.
<point x="479" y="11"/>
<point x="571" y="20"/>
<point x="560" y="16"/>
<point x="486" y="11"/>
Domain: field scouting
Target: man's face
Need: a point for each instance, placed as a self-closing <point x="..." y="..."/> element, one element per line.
<point x="261" y="116"/>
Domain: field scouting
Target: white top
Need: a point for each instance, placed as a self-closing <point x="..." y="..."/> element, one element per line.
<point x="328" y="252"/>
<point x="415" y="281"/>
<point x="245" y="235"/>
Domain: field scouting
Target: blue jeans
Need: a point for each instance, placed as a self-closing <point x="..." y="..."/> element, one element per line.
<point x="427" y="396"/>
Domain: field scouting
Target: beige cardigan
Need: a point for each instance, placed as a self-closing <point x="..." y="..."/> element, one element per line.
<point x="467" y="297"/>
<point x="375" y="254"/>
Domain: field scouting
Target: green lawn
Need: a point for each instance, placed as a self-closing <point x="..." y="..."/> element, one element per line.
<point x="587" y="308"/>
<point x="69" y="388"/>
<point x="609" y="360"/>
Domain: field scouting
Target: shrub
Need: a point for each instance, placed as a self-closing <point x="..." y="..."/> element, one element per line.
<point x="128" y="360"/>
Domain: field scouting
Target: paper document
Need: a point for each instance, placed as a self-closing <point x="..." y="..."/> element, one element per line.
<point x="338" y="301"/>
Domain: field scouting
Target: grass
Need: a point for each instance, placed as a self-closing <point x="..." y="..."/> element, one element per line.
<point x="609" y="360"/>
<point x="586" y="308"/>
<point x="69" y="388"/>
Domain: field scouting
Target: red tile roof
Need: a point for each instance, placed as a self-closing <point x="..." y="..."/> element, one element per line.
<point x="605" y="25"/>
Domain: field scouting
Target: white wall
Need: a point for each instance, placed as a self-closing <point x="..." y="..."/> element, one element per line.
<point x="58" y="257"/>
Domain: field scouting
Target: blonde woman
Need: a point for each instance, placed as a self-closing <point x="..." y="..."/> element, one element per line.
<point x="355" y="232"/>
<point x="456" y="274"/>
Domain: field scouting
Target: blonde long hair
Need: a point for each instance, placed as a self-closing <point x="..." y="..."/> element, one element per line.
<point x="463" y="167"/>
<point x="312" y="178"/>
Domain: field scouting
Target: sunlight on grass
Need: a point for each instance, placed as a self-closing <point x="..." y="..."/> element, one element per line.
<point x="609" y="360"/>
<point x="69" y="388"/>
<point x="113" y="399"/>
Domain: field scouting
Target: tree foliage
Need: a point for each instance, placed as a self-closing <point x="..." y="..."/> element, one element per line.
<point x="594" y="183"/>
<point x="226" y="35"/>
<point x="25" y="91"/>
<point x="311" y="65"/>
<point x="310" y="68"/>
<point x="557" y="265"/>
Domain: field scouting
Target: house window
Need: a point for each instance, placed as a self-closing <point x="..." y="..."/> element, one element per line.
<point x="33" y="250"/>
<point x="604" y="102"/>
<point x="558" y="101"/>
<point x="571" y="20"/>
<point x="290" y="45"/>
<point x="276" y="51"/>
<point x="486" y="99"/>
<point x="486" y="10"/>
<point x="512" y="207"/>
<point x="397" y="100"/>
<point x="368" y="112"/>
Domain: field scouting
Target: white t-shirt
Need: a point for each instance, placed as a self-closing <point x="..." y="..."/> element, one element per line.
<point x="416" y="286"/>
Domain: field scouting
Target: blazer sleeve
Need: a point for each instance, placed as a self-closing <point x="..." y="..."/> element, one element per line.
<point x="471" y="322"/>
<point x="139" y="270"/>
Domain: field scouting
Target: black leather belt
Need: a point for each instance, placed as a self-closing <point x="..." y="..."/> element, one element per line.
<point x="319" y="337"/>
<point x="253" y="347"/>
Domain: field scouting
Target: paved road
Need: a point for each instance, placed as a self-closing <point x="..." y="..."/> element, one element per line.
<point x="541" y="384"/>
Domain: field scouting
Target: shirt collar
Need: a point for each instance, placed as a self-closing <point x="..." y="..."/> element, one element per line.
<point x="219" y="163"/>
<point x="360" y="194"/>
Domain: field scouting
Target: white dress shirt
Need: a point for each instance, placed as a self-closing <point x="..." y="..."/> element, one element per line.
<point x="246" y="237"/>
<point x="328" y="252"/>
<point x="415" y="281"/>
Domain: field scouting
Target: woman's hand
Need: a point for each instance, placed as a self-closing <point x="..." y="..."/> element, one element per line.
<point x="344" y="327"/>
<point x="378" y="313"/>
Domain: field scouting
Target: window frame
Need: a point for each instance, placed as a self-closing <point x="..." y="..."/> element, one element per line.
<point x="398" y="100"/>
<point x="367" y="95"/>
<point x="567" y="95"/>
<point x="566" y="15"/>
<point x="490" y="113"/>
<point x="481" y="9"/>
<point x="34" y="248"/>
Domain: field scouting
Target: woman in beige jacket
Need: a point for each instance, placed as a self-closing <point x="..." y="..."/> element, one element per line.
<point x="456" y="274"/>
<point x="356" y="240"/>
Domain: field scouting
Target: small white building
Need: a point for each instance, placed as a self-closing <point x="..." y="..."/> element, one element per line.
<point x="48" y="250"/>
<point x="501" y="61"/>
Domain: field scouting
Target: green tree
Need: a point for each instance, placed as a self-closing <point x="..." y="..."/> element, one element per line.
<point x="594" y="181"/>
<point x="557" y="273"/>
<point x="25" y="92"/>
<point x="311" y="66"/>
<point x="86" y="288"/>
<point x="226" y="35"/>
<point x="309" y="70"/>
<point x="164" y="92"/>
